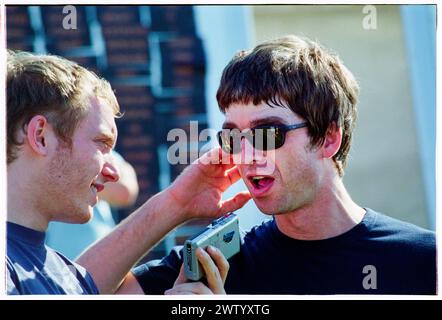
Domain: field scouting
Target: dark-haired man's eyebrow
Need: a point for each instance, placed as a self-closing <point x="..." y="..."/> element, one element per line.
<point x="257" y="122"/>
<point x="267" y="121"/>
<point x="229" y="125"/>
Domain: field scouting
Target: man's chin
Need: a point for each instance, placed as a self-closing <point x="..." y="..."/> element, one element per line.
<point x="265" y="207"/>
<point x="83" y="218"/>
<point x="268" y="207"/>
<point x="88" y="215"/>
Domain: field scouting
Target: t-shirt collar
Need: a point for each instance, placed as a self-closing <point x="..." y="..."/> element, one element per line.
<point x="24" y="234"/>
<point x="358" y="230"/>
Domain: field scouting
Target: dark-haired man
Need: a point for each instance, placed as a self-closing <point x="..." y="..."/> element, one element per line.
<point x="319" y="240"/>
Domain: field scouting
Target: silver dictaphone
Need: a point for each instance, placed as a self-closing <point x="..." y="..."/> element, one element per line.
<point x="222" y="233"/>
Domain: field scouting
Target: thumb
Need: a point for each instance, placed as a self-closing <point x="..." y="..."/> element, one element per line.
<point x="181" y="277"/>
<point x="235" y="202"/>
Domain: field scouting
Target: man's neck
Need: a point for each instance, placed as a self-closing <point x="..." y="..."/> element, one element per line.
<point x="332" y="213"/>
<point x="21" y="208"/>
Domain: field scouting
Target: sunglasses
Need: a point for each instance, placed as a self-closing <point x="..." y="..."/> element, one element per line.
<point x="267" y="137"/>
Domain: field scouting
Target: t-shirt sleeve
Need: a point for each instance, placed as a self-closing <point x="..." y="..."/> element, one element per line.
<point x="86" y="280"/>
<point x="11" y="279"/>
<point x="157" y="276"/>
<point x="425" y="264"/>
<point x="83" y="276"/>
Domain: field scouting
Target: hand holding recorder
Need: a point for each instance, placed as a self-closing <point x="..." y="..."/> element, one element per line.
<point x="205" y="255"/>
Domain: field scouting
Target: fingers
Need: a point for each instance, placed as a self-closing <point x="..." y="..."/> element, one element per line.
<point x="213" y="274"/>
<point x="233" y="174"/>
<point x="234" y="203"/>
<point x="220" y="163"/>
<point x="181" y="286"/>
<point x="216" y="156"/>
<point x="220" y="261"/>
<point x="189" y="288"/>
<point x="215" y="267"/>
<point x="181" y="276"/>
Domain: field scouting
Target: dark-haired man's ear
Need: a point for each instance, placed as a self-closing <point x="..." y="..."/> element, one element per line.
<point x="332" y="141"/>
<point x="37" y="134"/>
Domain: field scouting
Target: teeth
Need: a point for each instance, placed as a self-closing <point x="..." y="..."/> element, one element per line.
<point x="94" y="189"/>
<point x="257" y="178"/>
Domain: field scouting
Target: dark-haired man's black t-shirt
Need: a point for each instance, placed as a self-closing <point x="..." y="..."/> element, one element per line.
<point x="380" y="255"/>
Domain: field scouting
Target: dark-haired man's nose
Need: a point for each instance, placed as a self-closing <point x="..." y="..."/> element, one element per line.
<point x="250" y="155"/>
<point x="110" y="173"/>
<point x="247" y="152"/>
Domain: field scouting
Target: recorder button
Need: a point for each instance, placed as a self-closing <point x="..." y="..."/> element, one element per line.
<point x="216" y="221"/>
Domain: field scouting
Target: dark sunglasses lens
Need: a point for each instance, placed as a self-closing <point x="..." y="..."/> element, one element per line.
<point x="268" y="138"/>
<point x="230" y="141"/>
<point x="260" y="139"/>
<point x="279" y="138"/>
<point x="263" y="139"/>
<point x="223" y="140"/>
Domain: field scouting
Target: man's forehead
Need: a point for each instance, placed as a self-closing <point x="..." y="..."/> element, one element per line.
<point x="102" y="117"/>
<point x="253" y="115"/>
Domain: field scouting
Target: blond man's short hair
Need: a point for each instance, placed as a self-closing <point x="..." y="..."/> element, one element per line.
<point x="51" y="86"/>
